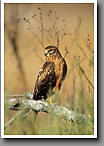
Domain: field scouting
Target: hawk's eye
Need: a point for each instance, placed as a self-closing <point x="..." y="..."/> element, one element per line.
<point x="51" y="51"/>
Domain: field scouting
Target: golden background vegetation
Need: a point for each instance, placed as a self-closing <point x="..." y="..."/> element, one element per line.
<point x="29" y="28"/>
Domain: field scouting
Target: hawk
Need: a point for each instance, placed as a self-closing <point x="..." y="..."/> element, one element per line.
<point x="51" y="75"/>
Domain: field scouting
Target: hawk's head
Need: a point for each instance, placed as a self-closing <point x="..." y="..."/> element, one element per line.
<point x="51" y="52"/>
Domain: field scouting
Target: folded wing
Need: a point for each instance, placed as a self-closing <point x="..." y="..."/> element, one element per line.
<point x="45" y="82"/>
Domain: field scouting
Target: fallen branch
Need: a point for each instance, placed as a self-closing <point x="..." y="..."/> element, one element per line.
<point x="43" y="106"/>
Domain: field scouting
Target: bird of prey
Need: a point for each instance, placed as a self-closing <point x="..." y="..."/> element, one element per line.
<point x="51" y="75"/>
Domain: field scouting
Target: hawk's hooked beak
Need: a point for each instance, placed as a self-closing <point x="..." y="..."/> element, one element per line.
<point x="46" y="53"/>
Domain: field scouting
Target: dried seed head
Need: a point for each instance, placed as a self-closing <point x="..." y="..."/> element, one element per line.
<point x="50" y="11"/>
<point x="63" y="20"/>
<point x="39" y="8"/>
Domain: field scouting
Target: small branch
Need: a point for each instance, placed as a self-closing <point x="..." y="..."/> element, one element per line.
<point x="13" y="119"/>
<point x="39" y="56"/>
<point x="29" y="95"/>
<point x="25" y="116"/>
<point x="16" y="116"/>
<point x="75" y="66"/>
<point x="84" y="52"/>
<point x="86" y="77"/>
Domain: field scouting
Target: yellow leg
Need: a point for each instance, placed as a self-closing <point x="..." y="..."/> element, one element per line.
<point x="51" y="101"/>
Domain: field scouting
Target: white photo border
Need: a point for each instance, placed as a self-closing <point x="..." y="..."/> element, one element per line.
<point x="2" y="69"/>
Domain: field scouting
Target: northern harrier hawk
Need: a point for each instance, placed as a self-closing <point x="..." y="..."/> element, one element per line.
<point x="51" y="75"/>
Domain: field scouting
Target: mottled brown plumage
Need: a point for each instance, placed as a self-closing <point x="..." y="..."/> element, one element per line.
<point x="51" y="75"/>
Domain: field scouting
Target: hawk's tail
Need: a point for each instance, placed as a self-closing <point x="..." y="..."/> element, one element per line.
<point x="35" y="115"/>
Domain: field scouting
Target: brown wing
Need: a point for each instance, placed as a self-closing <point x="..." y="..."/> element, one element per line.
<point x="46" y="80"/>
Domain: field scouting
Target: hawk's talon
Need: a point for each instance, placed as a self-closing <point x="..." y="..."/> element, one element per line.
<point x="51" y="102"/>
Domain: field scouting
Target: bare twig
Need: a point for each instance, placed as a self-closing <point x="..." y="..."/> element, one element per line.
<point x="39" y="56"/>
<point x="29" y="95"/>
<point x="75" y="66"/>
<point x="13" y="119"/>
<point x="83" y="52"/>
<point x="86" y="77"/>
<point x="25" y="116"/>
<point x="16" y="116"/>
